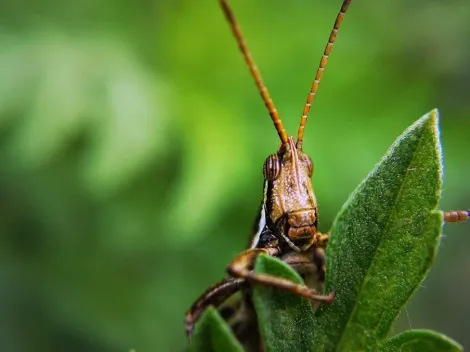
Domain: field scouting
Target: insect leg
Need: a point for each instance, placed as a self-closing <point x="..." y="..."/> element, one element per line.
<point x="214" y="295"/>
<point x="318" y="240"/>
<point x="322" y="239"/>
<point x="310" y="265"/>
<point x="456" y="215"/>
<point x="242" y="267"/>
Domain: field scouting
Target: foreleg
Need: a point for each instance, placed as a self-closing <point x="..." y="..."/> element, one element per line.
<point x="242" y="267"/>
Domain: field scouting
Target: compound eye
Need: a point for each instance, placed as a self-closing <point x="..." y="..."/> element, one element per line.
<point x="309" y="165"/>
<point x="271" y="167"/>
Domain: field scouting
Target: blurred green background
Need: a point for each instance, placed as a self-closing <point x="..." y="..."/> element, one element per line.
<point x="132" y="139"/>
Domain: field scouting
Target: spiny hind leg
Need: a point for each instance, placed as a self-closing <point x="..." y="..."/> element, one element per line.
<point x="214" y="295"/>
<point x="242" y="267"/>
<point x="456" y="215"/>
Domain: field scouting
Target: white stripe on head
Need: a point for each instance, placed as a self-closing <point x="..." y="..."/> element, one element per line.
<point x="262" y="218"/>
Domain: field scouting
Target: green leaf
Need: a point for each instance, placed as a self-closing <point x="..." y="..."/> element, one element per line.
<point x="420" y="340"/>
<point x="213" y="334"/>
<point x="383" y="242"/>
<point x="285" y="319"/>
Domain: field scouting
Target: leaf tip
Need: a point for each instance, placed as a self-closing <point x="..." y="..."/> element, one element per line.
<point x="434" y="116"/>
<point x="431" y="119"/>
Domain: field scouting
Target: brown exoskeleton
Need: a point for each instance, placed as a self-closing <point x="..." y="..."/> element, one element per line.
<point x="287" y="224"/>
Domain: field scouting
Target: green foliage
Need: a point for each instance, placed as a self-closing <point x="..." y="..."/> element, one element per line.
<point x="213" y="335"/>
<point x="382" y="245"/>
<point x="285" y="320"/>
<point x="384" y="241"/>
<point x="420" y="340"/>
<point x="132" y="139"/>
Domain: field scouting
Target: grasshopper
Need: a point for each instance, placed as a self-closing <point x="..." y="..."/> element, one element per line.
<point x="287" y="223"/>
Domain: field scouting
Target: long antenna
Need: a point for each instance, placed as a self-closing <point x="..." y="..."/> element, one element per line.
<point x="254" y="71"/>
<point x="321" y="68"/>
